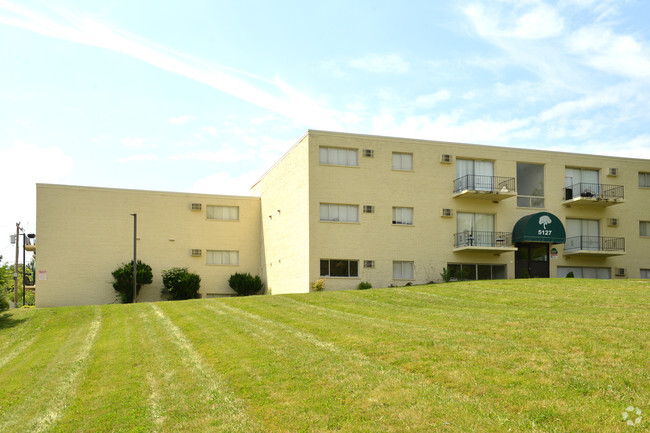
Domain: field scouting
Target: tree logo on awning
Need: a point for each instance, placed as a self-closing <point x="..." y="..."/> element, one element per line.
<point x="543" y="220"/>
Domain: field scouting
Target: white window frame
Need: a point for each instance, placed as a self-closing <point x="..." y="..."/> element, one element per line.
<point x="402" y="161"/>
<point x="403" y="270"/>
<point x="222" y="213"/>
<point x="403" y="216"/>
<point x="343" y="213"/>
<point x="329" y="268"/>
<point x="338" y="156"/>
<point x="222" y="257"/>
<point x="644" y="180"/>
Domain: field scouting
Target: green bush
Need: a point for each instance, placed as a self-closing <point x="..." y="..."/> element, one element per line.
<point x="245" y="284"/>
<point x="446" y="275"/>
<point x="179" y="283"/>
<point x="4" y="302"/>
<point x="123" y="277"/>
<point x="364" y="285"/>
<point x="570" y="275"/>
<point x="318" y="285"/>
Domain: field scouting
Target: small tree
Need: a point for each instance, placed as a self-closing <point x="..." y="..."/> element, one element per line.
<point x="179" y="283"/>
<point x="364" y="285"/>
<point x="446" y="275"/>
<point x="245" y="284"/>
<point x="123" y="277"/>
<point x="319" y="285"/>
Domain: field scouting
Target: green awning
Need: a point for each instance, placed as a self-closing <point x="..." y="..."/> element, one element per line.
<point x="539" y="227"/>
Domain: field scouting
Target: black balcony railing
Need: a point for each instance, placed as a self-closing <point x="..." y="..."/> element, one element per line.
<point x="594" y="243"/>
<point x="482" y="239"/>
<point x="593" y="190"/>
<point x="478" y="182"/>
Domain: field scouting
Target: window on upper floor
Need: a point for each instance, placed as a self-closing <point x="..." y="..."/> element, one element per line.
<point x="644" y="228"/>
<point x="403" y="216"/>
<point x="403" y="270"/>
<point x="475" y="229"/>
<point x="338" y="156"/>
<point x="339" y="212"/>
<point x="339" y="268"/>
<point x="222" y="213"/>
<point x="220" y="257"/>
<point x="582" y="234"/>
<point x="402" y="161"/>
<point x="580" y="182"/>
<point x="530" y="185"/>
<point x="644" y="180"/>
<point x="474" y="175"/>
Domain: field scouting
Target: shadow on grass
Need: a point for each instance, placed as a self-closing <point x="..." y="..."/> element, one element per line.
<point x="7" y="321"/>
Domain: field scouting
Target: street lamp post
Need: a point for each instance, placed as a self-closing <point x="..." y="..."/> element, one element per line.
<point x="135" y="274"/>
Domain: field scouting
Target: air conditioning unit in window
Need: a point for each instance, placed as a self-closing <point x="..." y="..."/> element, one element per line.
<point x="445" y="158"/>
<point x="368" y="208"/>
<point x="613" y="172"/>
<point x="197" y="253"/>
<point x="369" y="264"/>
<point x="196" y="206"/>
<point x="612" y="222"/>
<point x="368" y="153"/>
<point x="620" y="272"/>
<point x="446" y="212"/>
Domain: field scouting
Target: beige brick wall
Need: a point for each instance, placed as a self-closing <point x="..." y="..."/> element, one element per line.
<point x="85" y="233"/>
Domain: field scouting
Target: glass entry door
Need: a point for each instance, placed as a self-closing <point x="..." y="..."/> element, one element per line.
<point x="531" y="260"/>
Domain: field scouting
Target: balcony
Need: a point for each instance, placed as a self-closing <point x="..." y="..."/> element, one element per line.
<point x="594" y="246"/>
<point x="495" y="242"/>
<point x="593" y="194"/>
<point x="495" y="188"/>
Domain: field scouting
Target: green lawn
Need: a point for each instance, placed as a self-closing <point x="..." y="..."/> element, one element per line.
<point x="524" y="355"/>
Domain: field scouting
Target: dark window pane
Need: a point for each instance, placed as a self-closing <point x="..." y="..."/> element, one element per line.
<point x="469" y="271"/>
<point x="354" y="268"/>
<point x="484" y="272"/>
<point x="454" y="270"/>
<point x="338" y="268"/>
<point x="499" y="272"/>
<point x="324" y="268"/>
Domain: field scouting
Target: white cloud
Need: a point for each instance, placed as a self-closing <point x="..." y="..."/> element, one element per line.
<point x="532" y="20"/>
<point x="26" y="164"/>
<point x="181" y="120"/>
<point x="225" y="155"/>
<point x="137" y="142"/>
<point x="139" y="157"/>
<point x="610" y="52"/>
<point x="225" y="183"/>
<point x="432" y="99"/>
<point x="210" y="129"/>
<point x="381" y="64"/>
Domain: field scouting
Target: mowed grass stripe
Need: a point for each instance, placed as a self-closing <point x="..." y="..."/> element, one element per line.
<point x="54" y="363"/>
<point x="343" y="390"/>
<point x="19" y="331"/>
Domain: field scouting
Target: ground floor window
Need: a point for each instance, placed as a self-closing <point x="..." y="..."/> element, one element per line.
<point x="339" y="268"/>
<point x="584" y="272"/>
<point x="645" y="273"/>
<point x="403" y="270"/>
<point x="215" y="257"/>
<point x="475" y="271"/>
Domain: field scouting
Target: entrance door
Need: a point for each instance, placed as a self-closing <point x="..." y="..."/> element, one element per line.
<point x="531" y="260"/>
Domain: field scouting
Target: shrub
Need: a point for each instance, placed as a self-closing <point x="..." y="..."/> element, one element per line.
<point x="570" y="275"/>
<point x="245" y="284"/>
<point x="318" y="285"/>
<point x="364" y="285"/>
<point x="123" y="277"/>
<point x="4" y="302"/>
<point x="179" y="283"/>
<point x="446" y="275"/>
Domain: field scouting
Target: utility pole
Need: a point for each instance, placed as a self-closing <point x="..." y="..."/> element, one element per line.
<point x="16" y="266"/>
<point x="135" y="274"/>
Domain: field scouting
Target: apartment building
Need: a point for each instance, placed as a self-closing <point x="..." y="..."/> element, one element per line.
<point x="349" y="208"/>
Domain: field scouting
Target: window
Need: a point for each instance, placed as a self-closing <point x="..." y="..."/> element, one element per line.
<point x="475" y="229"/>
<point x="645" y="274"/>
<point x="402" y="161"/>
<point x="222" y="213"/>
<point x="338" y="156"/>
<point x="370" y="264"/>
<point x="473" y="271"/>
<point x="584" y="272"/>
<point x="582" y="234"/>
<point x="644" y="180"/>
<point x="339" y="268"/>
<point x="368" y="208"/>
<point x="644" y="228"/>
<point x="581" y="182"/>
<point x="339" y="212"/>
<point x="530" y="185"/>
<point x="403" y="216"/>
<point x="222" y="257"/>
<point x="403" y="270"/>
<point x="473" y="175"/>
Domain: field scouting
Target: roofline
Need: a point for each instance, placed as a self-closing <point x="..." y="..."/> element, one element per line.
<point x="282" y="157"/>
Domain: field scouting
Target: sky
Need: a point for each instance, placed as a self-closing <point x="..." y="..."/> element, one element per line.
<point x="205" y="95"/>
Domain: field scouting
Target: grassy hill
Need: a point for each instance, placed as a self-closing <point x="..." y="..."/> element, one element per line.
<point x="525" y="355"/>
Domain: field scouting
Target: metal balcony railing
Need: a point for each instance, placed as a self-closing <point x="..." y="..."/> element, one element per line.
<point x="478" y="182"/>
<point x="482" y="239"/>
<point x="594" y="190"/>
<point x="594" y="243"/>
